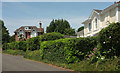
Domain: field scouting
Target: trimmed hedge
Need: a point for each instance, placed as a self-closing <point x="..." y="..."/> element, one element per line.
<point x="109" y="39"/>
<point x="14" y="52"/>
<point x="19" y="45"/>
<point x="67" y="50"/>
<point x="51" y="36"/>
<point x="34" y="55"/>
<point x="33" y="43"/>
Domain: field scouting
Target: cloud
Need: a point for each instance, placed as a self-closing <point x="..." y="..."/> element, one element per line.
<point x="59" y="0"/>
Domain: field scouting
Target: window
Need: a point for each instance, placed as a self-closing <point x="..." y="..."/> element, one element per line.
<point x="96" y="24"/>
<point x="26" y="28"/>
<point x="89" y="27"/>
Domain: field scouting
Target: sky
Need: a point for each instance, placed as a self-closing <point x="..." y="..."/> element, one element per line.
<point x="16" y="14"/>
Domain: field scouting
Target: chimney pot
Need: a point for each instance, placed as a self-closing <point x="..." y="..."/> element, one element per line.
<point x="40" y="26"/>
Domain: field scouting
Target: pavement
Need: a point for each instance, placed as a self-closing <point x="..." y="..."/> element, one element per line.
<point x="18" y="63"/>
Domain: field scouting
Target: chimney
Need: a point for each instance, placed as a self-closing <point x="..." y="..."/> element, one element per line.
<point x="40" y="26"/>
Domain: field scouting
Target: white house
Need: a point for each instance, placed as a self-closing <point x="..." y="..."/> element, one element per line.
<point x="101" y="18"/>
<point x="28" y="32"/>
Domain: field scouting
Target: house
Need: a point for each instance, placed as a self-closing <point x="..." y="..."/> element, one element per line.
<point x="100" y="19"/>
<point x="28" y="32"/>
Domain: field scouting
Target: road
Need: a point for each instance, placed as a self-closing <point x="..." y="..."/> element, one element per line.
<point x="18" y="63"/>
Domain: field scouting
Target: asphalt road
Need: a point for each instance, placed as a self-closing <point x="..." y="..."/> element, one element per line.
<point x="18" y="63"/>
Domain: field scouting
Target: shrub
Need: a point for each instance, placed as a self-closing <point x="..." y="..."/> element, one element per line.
<point x="51" y="36"/>
<point x="33" y="43"/>
<point x="109" y="39"/>
<point x="19" y="45"/>
<point x="11" y="45"/>
<point x="34" y="55"/>
<point x="67" y="50"/>
<point x="14" y="52"/>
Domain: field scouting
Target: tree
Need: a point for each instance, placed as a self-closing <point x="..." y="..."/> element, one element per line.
<point x="12" y="38"/>
<point x="60" y="26"/>
<point x="69" y="31"/>
<point x="81" y="28"/>
<point x="5" y="33"/>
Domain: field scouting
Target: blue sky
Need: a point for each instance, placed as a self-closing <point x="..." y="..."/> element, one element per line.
<point x="16" y="14"/>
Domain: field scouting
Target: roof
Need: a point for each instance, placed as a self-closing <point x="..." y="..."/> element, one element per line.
<point x="29" y="30"/>
<point x="98" y="10"/>
<point x="102" y="11"/>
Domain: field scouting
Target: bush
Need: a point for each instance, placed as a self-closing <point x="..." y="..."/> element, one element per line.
<point x="14" y="52"/>
<point x="34" y="55"/>
<point x="19" y="45"/>
<point x="33" y="43"/>
<point x="11" y="45"/>
<point x="67" y="50"/>
<point x="109" y="39"/>
<point x="51" y="36"/>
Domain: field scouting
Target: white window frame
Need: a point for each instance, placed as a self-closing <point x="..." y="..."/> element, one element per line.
<point x="89" y="25"/>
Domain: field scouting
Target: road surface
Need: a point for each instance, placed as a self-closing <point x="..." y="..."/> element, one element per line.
<point x="18" y="63"/>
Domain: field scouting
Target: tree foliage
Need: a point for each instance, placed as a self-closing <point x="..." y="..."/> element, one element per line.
<point x="5" y="33"/>
<point x="81" y="28"/>
<point x="61" y="26"/>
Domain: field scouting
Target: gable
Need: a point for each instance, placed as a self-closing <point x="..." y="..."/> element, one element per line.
<point x="94" y="13"/>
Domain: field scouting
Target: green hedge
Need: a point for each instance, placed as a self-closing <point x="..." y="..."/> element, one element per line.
<point x="51" y="36"/>
<point x="109" y="39"/>
<point x="19" y="45"/>
<point x="67" y="50"/>
<point x="14" y="52"/>
<point x="33" y="43"/>
<point x="34" y="55"/>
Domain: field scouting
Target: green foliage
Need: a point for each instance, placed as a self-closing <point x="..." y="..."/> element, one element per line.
<point x="14" y="52"/>
<point x="51" y="36"/>
<point x="109" y="39"/>
<point x="81" y="28"/>
<point x="61" y="26"/>
<point x="12" y="38"/>
<point x="33" y="43"/>
<point x="34" y="55"/>
<point x="5" y="33"/>
<point x="67" y="50"/>
<point x="69" y="31"/>
<point x="19" y="45"/>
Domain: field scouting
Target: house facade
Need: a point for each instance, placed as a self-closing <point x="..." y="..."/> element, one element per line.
<point x="100" y="19"/>
<point x="28" y="32"/>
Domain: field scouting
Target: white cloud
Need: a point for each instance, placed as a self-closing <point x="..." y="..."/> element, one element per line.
<point x="59" y="0"/>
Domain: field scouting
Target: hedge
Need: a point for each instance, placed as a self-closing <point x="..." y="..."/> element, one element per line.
<point x="109" y="39"/>
<point x="14" y="52"/>
<point x="33" y="43"/>
<point x="67" y="50"/>
<point x="34" y="55"/>
<point x="19" y="45"/>
<point x="51" y="36"/>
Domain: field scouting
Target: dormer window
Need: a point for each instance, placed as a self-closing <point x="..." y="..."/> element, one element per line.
<point x="26" y="28"/>
<point x="89" y="27"/>
<point x="96" y="24"/>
